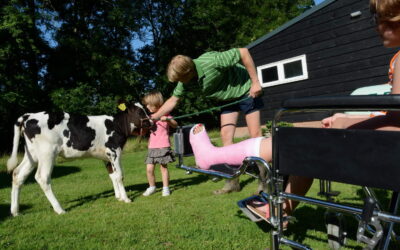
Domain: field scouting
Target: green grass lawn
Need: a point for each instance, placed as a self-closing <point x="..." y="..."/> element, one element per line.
<point x="191" y="218"/>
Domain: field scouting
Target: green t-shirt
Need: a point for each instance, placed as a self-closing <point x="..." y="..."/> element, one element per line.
<point x="220" y="76"/>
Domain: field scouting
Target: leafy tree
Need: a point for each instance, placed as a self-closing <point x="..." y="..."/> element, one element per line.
<point x="78" y="56"/>
<point x="22" y="55"/>
<point x="70" y="55"/>
<point x="193" y="27"/>
<point x="93" y="53"/>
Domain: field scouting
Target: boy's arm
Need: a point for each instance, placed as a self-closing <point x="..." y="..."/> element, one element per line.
<point x="248" y="63"/>
<point x="172" y="123"/>
<point x="166" y="108"/>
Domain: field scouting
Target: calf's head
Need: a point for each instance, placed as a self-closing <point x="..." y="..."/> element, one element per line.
<point x="138" y="119"/>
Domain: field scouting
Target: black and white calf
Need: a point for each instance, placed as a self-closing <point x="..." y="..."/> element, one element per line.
<point x="50" y="134"/>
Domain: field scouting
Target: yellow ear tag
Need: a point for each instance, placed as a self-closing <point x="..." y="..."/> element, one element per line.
<point x="122" y="106"/>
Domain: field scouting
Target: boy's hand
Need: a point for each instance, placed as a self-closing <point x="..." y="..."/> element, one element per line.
<point x="255" y="89"/>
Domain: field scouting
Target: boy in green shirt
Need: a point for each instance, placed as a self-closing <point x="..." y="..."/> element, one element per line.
<point x="221" y="77"/>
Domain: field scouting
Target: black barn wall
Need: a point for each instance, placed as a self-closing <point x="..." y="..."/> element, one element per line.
<point x="343" y="53"/>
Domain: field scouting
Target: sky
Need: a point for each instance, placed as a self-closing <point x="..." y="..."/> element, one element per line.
<point x="318" y="1"/>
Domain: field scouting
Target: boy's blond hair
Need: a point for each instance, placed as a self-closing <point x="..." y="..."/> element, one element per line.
<point x="153" y="98"/>
<point x="386" y="10"/>
<point x="180" y="68"/>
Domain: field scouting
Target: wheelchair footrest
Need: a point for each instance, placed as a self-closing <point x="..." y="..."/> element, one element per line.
<point x="220" y="170"/>
<point x="225" y="168"/>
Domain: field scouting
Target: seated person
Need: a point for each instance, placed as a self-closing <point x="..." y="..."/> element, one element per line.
<point x="387" y="18"/>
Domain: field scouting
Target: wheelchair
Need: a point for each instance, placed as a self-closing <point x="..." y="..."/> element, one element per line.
<point x="368" y="158"/>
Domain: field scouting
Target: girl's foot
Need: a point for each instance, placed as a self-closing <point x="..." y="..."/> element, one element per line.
<point x="165" y="191"/>
<point x="149" y="191"/>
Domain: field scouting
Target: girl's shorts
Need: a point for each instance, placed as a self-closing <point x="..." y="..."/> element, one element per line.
<point x="160" y="156"/>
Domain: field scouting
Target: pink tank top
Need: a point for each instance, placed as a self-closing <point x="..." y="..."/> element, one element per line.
<point x="159" y="137"/>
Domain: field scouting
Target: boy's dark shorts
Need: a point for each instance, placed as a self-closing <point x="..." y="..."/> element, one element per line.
<point x="247" y="106"/>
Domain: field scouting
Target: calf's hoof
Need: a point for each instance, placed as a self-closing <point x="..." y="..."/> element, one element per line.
<point x="127" y="200"/>
<point x="61" y="211"/>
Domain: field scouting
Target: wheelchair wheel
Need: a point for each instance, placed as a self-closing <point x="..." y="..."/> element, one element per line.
<point x="336" y="229"/>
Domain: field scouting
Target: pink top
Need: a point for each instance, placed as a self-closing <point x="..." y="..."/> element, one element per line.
<point x="159" y="137"/>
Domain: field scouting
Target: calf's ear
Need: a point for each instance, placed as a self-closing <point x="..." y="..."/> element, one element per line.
<point x="122" y="105"/>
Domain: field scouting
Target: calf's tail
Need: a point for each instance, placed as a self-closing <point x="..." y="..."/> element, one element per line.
<point x="13" y="160"/>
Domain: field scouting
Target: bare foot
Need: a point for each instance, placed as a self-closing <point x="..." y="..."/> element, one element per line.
<point x="262" y="210"/>
<point x="198" y="128"/>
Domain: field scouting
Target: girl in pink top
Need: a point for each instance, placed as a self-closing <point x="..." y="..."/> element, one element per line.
<point x="159" y="146"/>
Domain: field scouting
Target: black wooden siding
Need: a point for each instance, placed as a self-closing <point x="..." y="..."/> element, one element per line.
<point x="343" y="54"/>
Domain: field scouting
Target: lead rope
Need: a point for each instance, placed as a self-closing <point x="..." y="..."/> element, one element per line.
<point x="208" y="110"/>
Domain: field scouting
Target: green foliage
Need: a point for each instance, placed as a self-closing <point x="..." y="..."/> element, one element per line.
<point x="136" y="144"/>
<point x="83" y="99"/>
<point x="79" y="56"/>
<point x="268" y="126"/>
<point x="194" y="27"/>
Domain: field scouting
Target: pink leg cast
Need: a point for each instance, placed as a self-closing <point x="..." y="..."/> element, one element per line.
<point x="207" y="154"/>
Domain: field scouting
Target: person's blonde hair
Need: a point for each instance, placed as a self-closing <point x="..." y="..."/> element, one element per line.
<point x="386" y="10"/>
<point x="153" y="98"/>
<point x="180" y="68"/>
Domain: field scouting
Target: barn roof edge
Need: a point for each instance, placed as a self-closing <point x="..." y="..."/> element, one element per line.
<point x="290" y="23"/>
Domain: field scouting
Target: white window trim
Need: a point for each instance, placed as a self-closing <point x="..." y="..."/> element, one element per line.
<point x="281" y="74"/>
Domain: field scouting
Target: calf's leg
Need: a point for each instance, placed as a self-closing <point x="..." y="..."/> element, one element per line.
<point x="111" y="170"/>
<point x="43" y="177"/>
<point x="19" y="176"/>
<point x="116" y="176"/>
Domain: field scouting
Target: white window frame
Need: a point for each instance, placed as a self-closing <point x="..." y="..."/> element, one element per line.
<point x="281" y="73"/>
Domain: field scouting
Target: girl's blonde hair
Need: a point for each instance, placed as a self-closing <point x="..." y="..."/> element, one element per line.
<point x="386" y="10"/>
<point x="153" y="98"/>
<point x="180" y="68"/>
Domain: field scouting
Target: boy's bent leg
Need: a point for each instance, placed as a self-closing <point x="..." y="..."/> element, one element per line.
<point x="228" y="127"/>
<point x="231" y="185"/>
<point x="254" y="124"/>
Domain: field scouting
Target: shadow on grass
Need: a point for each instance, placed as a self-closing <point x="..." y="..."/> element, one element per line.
<point x="5" y="211"/>
<point x="298" y="230"/>
<point x="247" y="182"/>
<point x="138" y="189"/>
<point x="60" y="171"/>
<point x="383" y="196"/>
<point x="313" y="218"/>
